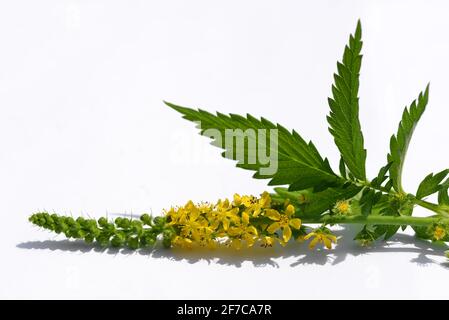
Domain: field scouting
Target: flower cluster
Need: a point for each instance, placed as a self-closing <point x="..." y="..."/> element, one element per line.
<point x="242" y="222"/>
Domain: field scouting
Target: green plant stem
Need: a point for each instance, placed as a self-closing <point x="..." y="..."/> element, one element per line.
<point x="377" y="219"/>
<point x="441" y="210"/>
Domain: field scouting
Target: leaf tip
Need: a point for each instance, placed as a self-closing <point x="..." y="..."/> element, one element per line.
<point x="358" y="30"/>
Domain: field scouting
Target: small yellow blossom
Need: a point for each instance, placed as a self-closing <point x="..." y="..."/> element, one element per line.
<point x="193" y="225"/>
<point x="247" y="201"/>
<point x="321" y="235"/>
<point x="267" y="241"/>
<point x="237" y="200"/>
<point x="343" y="207"/>
<point x="224" y="216"/>
<point x="439" y="233"/>
<point x="283" y="221"/>
<point x="245" y="232"/>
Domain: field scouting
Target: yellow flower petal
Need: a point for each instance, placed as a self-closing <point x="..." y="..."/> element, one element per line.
<point x="245" y="217"/>
<point x="234" y="231"/>
<point x="295" y="223"/>
<point x="214" y="225"/>
<point x="327" y="242"/>
<point x="246" y="200"/>
<point x="290" y="210"/>
<point x="273" y="227"/>
<point x="267" y="241"/>
<point x="309" y="235"/>
<point x="273" y="214"/>
<point x="332" y="238"/>
<point x="237" y="199"/>
<point x="225" y="224"/>
<point x="286" y="233"/>
<point x="235" y="219"/>
<point x="313" y="243"/>
<point x="252" y="230"/>
<point x="232" y="212"/>
<point x="265" y="200"/>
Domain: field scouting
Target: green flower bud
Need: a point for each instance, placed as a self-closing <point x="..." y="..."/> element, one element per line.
<point x="102" y="222"/>
<point x="89" y="238"/>
<point x="136" y="226"/>
<point x="166" y="242"/>
<point x="103" y="239"/>
<point x="80" y="220"/>
<point x="123" y="223"/>
<point x="146" y="219"/>
<point x="70" y="221"/>
<point x="133" y="242"/>
<point x="109" y="227"/>
<point x="167" y="236"/>
<point x="159" y="221"/>
<point x="118" y="240"/>
<point x="148" y="240"/>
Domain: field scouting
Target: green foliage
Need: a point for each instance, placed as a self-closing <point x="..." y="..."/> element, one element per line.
<point x="399" y="143"/>
<point x="344" y="115"/>
<point x="443" y="197"/>
<point x="299" y="163"/>
<point x="431" y="184"/>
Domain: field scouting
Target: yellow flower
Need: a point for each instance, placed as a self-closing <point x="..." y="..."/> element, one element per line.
<point x="247" y="201"/>
<point x="343" y="207"/>
<point x="253" y="206"/>
<point x="283" y="221"/>
<point x="265" y="200"/>
<point x="193" y="225"/>
<point x="205" y="207"/>
<point x="439" y="233"/>
<point x="267" y="241"/>
<point x="225" y="217"/>
<point x="237" y="200"/>
<point x="243" y="231"/>
<point x="182" y="242"/>
<point x="206" y="238"/>
<point x="321" y="235"/>
<point x="257" y="206"/>
<point x="175" y="216"/>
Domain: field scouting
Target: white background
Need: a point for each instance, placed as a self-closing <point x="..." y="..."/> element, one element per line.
<point x="83" y="130"/>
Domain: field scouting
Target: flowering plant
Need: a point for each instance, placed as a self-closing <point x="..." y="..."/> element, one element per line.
<point x="315" y="193"/>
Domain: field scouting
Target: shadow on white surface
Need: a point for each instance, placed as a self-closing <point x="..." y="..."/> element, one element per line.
<point x="260" y="257"/>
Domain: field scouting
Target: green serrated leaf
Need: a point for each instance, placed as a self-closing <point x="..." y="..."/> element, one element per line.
<point x="343" y="119"/>
<point x="342" y="168"/>
<point x="299" y="163"/>
<point x="431" y="184"/>
<point x="381" y="176"/>
<point x="443" y="197"/>
<point x="399" y="143"/>
<point x="368" y="200"/>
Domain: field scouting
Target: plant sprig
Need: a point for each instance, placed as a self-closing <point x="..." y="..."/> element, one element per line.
<point x="304" y="178"/>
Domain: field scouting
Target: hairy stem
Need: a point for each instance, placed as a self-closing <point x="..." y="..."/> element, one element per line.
<point x="377" y="219"/>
